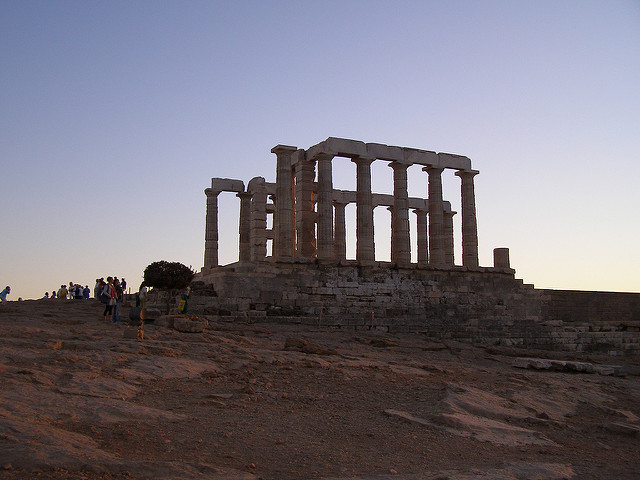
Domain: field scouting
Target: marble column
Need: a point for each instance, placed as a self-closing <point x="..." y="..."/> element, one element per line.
<point x="305" y="215"/>
<point x="391" y="209"/>
<point x="401" y="241"/>
<point x="448" y="237"/>
<point x="211" y="229"/>
<point x="340" y="231"/>
<point x="365" y="247"/>
<point x="283" y="244"/>
<point x="325" y="207"/>
<point x="259" y="222"/>
<point x="244" y="227"/>
<point x="423" y="244"/>
<point x="469" y="223"/>
<point x="436" y="216"/>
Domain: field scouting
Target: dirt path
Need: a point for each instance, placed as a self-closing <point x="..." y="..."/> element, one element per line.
<point x="239" y="401"/>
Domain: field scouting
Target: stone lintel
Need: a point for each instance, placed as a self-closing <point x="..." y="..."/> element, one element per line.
<point x="343" y="147"/>
<point x="386" y="200"/>
<point x="227" y="185"/>
<point x="421" y="157"/>
<point x="344" y="196"/>
<point x="270" y="188"/>
<point x="457" y="162"/>
<point x="419" y="204"/>
<point x="386" y="152"/>
<point x="283" y="149"/>
<point x="338" y="147"/>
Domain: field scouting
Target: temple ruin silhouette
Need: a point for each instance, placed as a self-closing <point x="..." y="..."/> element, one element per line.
<point x="307" y="278"/>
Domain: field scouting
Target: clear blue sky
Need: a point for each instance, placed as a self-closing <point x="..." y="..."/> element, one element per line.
<point x="114" y="116"/>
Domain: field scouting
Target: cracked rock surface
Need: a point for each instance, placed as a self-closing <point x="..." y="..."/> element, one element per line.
<point x="81" y="400"/>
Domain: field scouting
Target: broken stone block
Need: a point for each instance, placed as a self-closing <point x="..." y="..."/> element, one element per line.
<point x="149" y="314"/>
<point x="614" y="370"/>
<point x="535" y="363"/>
<point x="188" y="326"/>
<point x="165" y="321"/>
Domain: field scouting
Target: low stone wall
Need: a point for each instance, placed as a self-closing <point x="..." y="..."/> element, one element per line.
<point x="599" y="309"/>
<point x="480" y="305"/>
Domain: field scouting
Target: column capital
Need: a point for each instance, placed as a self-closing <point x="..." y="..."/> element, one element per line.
<point x="362" y="160"/>
<point x="244" y="195"/>
<point x="399" y="165"/>
<point x="466" y="174"/>
<point x="210" y="192"/>
<point x="433" y="169"/>
<point x="283" y="149"/>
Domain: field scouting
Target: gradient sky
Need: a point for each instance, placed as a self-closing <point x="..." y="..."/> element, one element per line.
<point x="114" y="116"/>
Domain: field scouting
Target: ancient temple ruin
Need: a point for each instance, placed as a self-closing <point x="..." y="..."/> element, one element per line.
<point x="309" y="214"/>
<point x="307" y="278"/>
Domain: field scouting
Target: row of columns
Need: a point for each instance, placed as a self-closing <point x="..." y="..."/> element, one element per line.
<point x="330" y="235"/>
<point x="295" y="220"/>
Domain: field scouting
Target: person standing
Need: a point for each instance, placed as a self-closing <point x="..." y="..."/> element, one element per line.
<point x="86" y="292"/>
<point x="142" y="295"/>
<point x="4" y="293"/>
<point x="118" y="296"/>
<point x="124" y="291"/>
<point x="110" y="298"/>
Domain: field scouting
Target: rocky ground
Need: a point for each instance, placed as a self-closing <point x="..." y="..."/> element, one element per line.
<point x="81" y="399"/>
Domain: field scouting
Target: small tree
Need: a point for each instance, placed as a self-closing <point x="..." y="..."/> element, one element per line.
<point x="168" y="276"/>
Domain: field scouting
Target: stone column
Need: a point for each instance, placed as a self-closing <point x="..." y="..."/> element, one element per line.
<point x="325" y="207"/>
<point x="211" y="229"/>
<point x="401" y="241"/>
<point x="258" y="220"/>
<point x="436" y="216"/>
<point x="244" y="227"/>
<point x="365" y="248"/>
<point x="448" y="237"/>
<point x="340" y="231"/>
<point x="393" y="239"/>
<point x="423" y="244"/>
<point x="501" y="258"/>
<point x="305" y="216"/>
<point x="469" y="225"/>
<point x="283" y="244"/>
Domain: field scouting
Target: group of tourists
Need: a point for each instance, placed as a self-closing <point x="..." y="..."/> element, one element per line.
<point x="111" y="293"/>
<point x="73" y="291"/>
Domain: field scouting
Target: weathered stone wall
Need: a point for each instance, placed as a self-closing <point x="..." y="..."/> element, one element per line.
<point x="599" y="308"/>
<point x="481" y="305"/>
